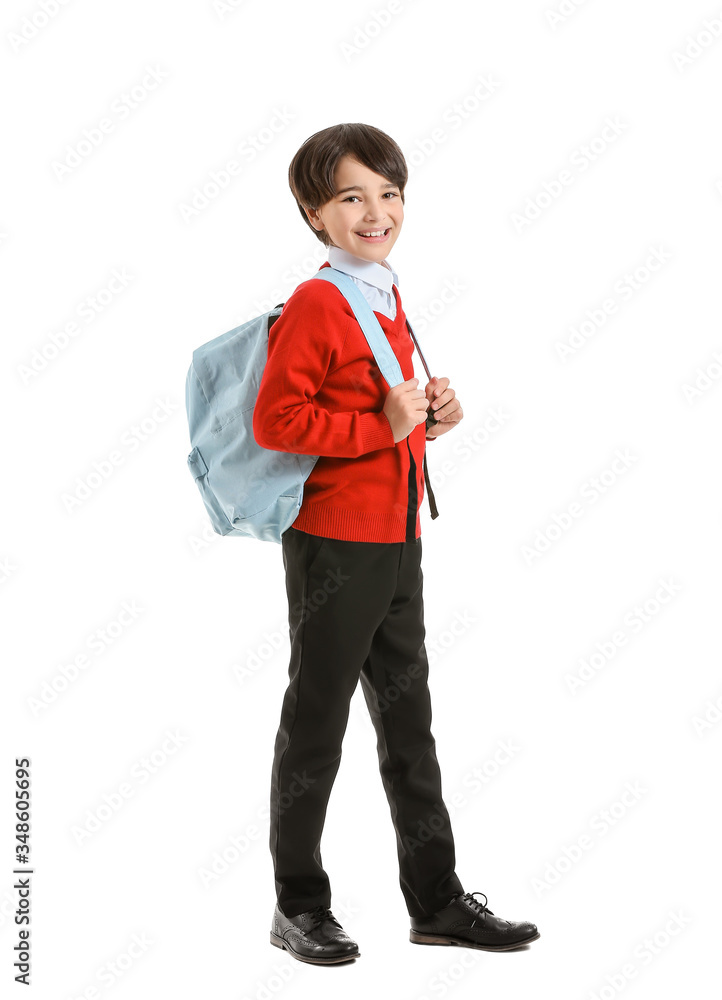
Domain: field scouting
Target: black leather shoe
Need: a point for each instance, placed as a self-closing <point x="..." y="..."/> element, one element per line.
<point x="467" y="922"/>
<point x="314" y="936"/>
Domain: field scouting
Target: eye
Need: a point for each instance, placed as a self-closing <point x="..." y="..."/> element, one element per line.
<point x="353" y="197"/>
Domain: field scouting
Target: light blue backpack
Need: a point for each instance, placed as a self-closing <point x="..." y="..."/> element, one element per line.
<point x="248" y="490"/>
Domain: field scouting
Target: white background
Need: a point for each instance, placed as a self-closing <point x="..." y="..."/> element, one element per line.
<point x="206" y="655"/>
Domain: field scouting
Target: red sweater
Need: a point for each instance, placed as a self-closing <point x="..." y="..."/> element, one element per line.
<point x="322" y="394"/>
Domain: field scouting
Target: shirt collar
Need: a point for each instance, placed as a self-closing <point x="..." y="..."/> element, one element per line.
<point x="367" y="270"/>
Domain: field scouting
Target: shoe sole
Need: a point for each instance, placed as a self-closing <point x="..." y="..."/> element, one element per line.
<point x="417" y="938"/>
<point x="280" y="943"/>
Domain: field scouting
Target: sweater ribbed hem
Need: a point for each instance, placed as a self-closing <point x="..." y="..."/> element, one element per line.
<point x="353" y="525"/>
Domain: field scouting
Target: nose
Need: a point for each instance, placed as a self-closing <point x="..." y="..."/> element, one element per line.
<point x="372" y="215"/>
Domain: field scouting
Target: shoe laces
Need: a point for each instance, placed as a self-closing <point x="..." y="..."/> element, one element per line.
<point x="320" y="913"/>
<point x="481" y="909"/>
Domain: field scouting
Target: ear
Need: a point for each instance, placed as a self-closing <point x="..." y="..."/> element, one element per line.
<point x="314" y="218"/>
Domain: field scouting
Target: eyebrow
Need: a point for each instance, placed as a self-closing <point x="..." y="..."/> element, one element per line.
<point x="356" y="187"/>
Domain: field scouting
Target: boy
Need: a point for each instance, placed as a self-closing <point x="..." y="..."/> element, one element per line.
<point x="353" y="560"/>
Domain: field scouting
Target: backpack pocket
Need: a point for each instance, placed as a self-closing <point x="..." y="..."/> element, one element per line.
<point x="199" y="471"/>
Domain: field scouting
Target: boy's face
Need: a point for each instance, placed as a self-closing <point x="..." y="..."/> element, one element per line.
<point x="373" y="205"/>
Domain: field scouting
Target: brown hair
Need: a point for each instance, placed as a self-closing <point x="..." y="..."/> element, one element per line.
<point x="311" y="172"/>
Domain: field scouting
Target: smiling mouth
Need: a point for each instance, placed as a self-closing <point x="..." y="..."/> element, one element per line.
<point x="375" y="234"/>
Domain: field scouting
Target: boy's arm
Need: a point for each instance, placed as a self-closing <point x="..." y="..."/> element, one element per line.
<point x="304" y="343"/>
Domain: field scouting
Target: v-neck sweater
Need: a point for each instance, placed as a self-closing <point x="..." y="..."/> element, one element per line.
<point x="322" y="394"/>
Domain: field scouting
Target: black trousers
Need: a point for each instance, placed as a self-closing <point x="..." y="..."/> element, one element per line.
<point x="356" y="610"/>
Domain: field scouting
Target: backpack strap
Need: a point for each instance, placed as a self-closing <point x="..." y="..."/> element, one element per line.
<point x="423" y="359"/>
<point x="378" y="342"/>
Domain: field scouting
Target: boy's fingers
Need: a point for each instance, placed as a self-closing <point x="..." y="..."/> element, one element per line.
<point x="452" y="410"/>
<point x="441" y="400"/>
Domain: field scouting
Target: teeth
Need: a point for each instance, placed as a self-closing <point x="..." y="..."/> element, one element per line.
<point x="379" y="232"/>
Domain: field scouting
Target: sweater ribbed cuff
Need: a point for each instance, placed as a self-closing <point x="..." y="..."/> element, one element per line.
<point x="376" y="432"/>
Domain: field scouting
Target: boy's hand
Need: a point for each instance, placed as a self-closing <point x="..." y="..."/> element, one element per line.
<point x="445" y="407"/>
<point x="405" y="407"/>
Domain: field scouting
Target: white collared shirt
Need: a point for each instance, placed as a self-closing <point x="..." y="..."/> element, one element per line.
<point x="374" y="280"/>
